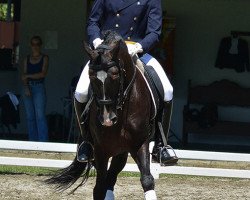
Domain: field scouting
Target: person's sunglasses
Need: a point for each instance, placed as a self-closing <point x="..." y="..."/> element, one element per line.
<point x="35" y="44"/>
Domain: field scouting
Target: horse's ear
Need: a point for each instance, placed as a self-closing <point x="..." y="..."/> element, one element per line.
<point x="91" y="53"/>
<point x="123" y="46"/>
<point x="119" y="46"/>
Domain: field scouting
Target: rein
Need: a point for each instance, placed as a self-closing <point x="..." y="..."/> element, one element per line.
<point x="123" y="98"/>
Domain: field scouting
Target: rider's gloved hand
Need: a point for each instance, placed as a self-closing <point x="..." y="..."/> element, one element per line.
<point x="135" y="49"/>
<point x="97" y="42"/>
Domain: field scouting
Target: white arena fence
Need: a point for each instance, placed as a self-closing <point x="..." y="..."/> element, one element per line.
<point x="156" y="169"/>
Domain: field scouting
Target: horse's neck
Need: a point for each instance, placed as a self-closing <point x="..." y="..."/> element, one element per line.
<point x="129" y="68"/>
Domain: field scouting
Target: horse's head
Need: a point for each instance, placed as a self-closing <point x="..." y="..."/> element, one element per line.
<point x="106" y="73"/>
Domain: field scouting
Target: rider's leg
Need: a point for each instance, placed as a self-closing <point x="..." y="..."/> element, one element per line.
<point x="168" y="88"/>
<point x="84" y="152"/>
<point x="164" y="116"/>
<point x="81" y="92"/>
<point x="161" y="150"/>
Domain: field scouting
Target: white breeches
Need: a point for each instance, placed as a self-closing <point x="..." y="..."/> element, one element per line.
<point x="82" y="88"/>
<point x="81" y="93"/>
<point x="168" y="88"/>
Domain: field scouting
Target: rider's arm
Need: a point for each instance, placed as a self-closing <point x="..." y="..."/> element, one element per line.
<point x="93" y="26"/>
<point x="44" y="71"/>
<point x="154" y="25"/>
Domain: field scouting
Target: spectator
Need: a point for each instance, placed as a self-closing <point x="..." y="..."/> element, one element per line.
<point x="35" y="69"/>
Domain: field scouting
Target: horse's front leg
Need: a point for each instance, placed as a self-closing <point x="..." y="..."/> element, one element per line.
<point x="117" y="164"/>
<point x="101" y="164"/>
<point x="142" y="158"/>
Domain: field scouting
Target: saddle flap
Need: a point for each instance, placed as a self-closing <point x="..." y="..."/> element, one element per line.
<point x="155" y="85"/>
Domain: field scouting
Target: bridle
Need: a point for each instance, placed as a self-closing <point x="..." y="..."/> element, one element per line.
<point x="123" y="92"/>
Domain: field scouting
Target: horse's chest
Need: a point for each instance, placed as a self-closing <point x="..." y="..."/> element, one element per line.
<point x="112" y="139"/>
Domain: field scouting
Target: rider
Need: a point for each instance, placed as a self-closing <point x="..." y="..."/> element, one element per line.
<point x="139" y="22"/>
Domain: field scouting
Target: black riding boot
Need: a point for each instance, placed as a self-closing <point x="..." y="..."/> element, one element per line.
<point x="161" y="151"/>
<point x="85" y="150"/>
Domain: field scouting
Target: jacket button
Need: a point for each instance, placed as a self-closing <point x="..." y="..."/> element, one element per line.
<point x="135" y="18"/>
<point x="138" y="3"/>
<point x="117" y="25"/>
<point x="129" y="38"/>
<point x="118" y="15"/>
<point x="131" y="28"/>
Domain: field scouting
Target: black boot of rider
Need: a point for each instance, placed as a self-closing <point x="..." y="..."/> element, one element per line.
<point x="161" y="153"/>
<point x="85" y="150"/>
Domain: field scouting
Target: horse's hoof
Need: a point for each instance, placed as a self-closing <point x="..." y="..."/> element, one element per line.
<point x="150" y="195"/>
<point x="110" y="195"/>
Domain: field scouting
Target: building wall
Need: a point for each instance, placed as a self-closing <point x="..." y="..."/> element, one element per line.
<point x="201" y="24"/>
<point x="67" y="19"/>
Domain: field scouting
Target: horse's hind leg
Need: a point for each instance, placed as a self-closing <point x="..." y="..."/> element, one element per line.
<point x="117" y="164"/>
<point x="142" y="158"/>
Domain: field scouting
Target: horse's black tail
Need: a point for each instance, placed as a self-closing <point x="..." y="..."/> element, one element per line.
<point x="65" y="178"/>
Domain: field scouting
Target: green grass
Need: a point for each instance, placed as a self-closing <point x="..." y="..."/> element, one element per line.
<point x="185" y="177"/>
<point x="4" y="169"/>
<point x="39" y="171"/>
<point x="129" y="174"/>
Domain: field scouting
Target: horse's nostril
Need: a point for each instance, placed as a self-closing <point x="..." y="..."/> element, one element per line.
<point x="107" y="123"/>
<point x="108" y="118"/>
<point x="114" y="120"/>
<point x="113" y="117"/>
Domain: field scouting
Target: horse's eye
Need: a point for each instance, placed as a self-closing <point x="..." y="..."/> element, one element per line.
<point x="114" y="73"/>
<point x="115" y="76"/>
<point x="92" y="73"/>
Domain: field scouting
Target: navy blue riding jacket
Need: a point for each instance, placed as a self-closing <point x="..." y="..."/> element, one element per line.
<point x="135" y="20"/>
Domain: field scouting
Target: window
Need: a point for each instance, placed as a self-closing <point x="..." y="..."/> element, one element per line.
<point x="4" y="11"/>
<point x="14" y="11"/>
<point x="9" y="32"/>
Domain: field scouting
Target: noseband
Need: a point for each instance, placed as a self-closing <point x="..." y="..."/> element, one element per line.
<point x="123" y="94"/>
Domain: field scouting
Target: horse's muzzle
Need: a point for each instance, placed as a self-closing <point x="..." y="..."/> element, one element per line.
<point x="108" y="119"/>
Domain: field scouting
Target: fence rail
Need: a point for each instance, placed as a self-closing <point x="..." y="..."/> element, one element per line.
<point x="156" y="169"/>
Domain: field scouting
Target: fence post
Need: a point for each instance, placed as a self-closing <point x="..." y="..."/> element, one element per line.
<point x="155" y="170"/>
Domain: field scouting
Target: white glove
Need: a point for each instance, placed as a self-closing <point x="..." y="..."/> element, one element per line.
<point x="135" y="49"/>
<point x="97" y="42"/>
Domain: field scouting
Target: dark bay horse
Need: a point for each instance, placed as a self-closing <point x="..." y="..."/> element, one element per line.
<point x="119" y="121"/>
